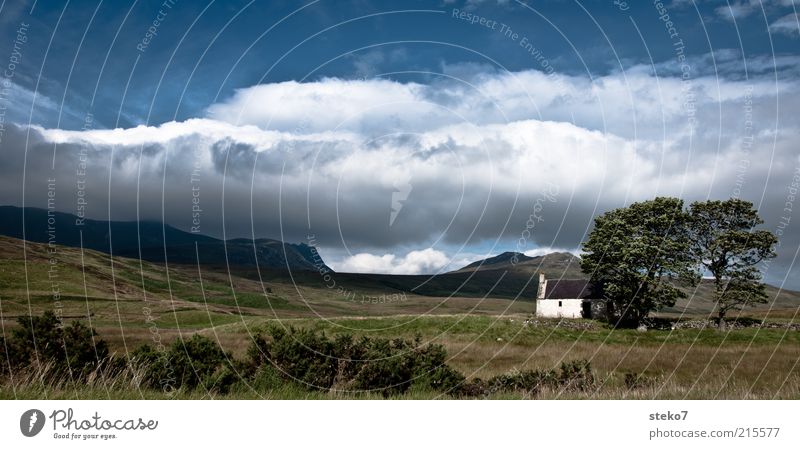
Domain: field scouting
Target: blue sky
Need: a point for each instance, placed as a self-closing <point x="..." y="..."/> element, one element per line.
<point x="204" y="51"/>
<point x="318" y="119"/>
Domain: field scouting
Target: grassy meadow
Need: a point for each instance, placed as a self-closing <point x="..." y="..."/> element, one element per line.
<point x="131" y="303"/>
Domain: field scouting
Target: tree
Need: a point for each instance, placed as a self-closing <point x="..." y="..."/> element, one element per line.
<point x="637" y="255"/>
<point x="727" y="246"/>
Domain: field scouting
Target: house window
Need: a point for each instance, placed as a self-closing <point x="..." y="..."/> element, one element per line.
<point x="559" y="304"/>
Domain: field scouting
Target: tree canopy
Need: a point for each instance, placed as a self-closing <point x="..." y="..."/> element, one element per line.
<point x="638" y="255"/>
<point x="728" y="247"/>
<point x="641" y="255"/>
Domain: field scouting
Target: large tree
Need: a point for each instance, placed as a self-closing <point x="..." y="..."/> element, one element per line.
<point x="638" y="255"/>
<point x="727" y="246"/>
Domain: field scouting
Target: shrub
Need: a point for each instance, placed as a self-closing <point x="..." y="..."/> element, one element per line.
<point x="576" y="375"/>
<point x="530" y="381"/>
<point x="195" y="359"/>
<point x="346" y="363"/>
<point x="83" y="351"/>
<point x="303" y="356"/>
<point x="267" y="377"/>
<point x="157" y="368"/>
<point x="257" y="352"/>
<point x="350" y="357"/>
<point x="432" y="371"/>
<point x="634" y="381"/>
<point x="44" y="340"/>
<point x="476" y="388"/>
<point x="222" y="380"/>
<point x="388" y="368"/>
<point x="5" y="357"/>
<point x="187" y="364"/>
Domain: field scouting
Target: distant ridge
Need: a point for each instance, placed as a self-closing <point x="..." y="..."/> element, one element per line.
<point x="553" y="265"/>
<point x="495" y="261"/>
<point x="156" y="242"/>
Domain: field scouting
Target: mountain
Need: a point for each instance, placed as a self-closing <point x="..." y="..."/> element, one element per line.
<point x="499" y="261"/>
<point x="553" y="265"/>
<point x="154" y="241"/>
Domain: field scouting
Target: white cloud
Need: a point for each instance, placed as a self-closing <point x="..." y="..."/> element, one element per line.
<point x="788" y="24"/>
<point x="737" y="10"/>
<point x="22" y="105"/>
<point x="425" y="261"/>
<point x="328" y="105"/>
<point x="634" y="104"/>
<point x="325" y="157"/>
<point x="547" y="250"/>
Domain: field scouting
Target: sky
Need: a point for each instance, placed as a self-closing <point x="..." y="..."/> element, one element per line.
<point x="401" y="137"/>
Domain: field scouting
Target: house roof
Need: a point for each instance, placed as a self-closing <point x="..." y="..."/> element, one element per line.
<point x="571" y="289"/>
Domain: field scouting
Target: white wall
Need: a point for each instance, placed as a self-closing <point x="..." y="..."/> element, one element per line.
<point x="548" y="308"/>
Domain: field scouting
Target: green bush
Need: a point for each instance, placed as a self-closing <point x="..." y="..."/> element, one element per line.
<point x="431" y="370"/>
<point x="83" y="351"/>
<point x="388" y="368"/>
<point x="187" y="365"/>
<point x="267" y="377"/>
<point x="634" y="381"/>
<point x="344" y="363"/>
<point x="576" y="375"/>
<point x="5" y="357"/>
<point x="529" y="381"/>
<point x="195" y="359"/>
<point x="71" y="350"/>
<point x="257" y="352"/>
<point x="303" y="356"/>
<point x="222" y="380"/>
<point x="475" y="389"/>
<point x="157" y="369"/>
<point x="350" y="356"/>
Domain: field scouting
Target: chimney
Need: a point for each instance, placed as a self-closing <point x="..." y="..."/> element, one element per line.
<point x="542" y="286"/>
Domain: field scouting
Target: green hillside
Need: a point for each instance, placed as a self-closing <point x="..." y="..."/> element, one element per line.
<point x="128" y="296"/>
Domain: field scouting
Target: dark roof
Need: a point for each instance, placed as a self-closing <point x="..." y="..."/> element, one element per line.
<point x="571" y="289"/>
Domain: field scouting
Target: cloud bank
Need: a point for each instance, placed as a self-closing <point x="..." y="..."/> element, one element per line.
<point x="478" y="158"/>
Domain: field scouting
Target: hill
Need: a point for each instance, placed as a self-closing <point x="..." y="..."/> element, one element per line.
<point x="154" y="241"/>
<point x="553" y="265"/>
<point x="257" y="260"/>
<point x="126" y="298"/>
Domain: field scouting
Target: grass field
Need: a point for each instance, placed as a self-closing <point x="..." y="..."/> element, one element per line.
<point x="130" y="302"/>
<point x="687" y="363"/>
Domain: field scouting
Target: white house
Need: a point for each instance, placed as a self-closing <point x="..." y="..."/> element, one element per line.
<point x="568" y="298"/>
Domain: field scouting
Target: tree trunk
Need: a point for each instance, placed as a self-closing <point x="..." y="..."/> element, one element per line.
<point x="719" y="291"/>
<point x="721" y="324"/>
